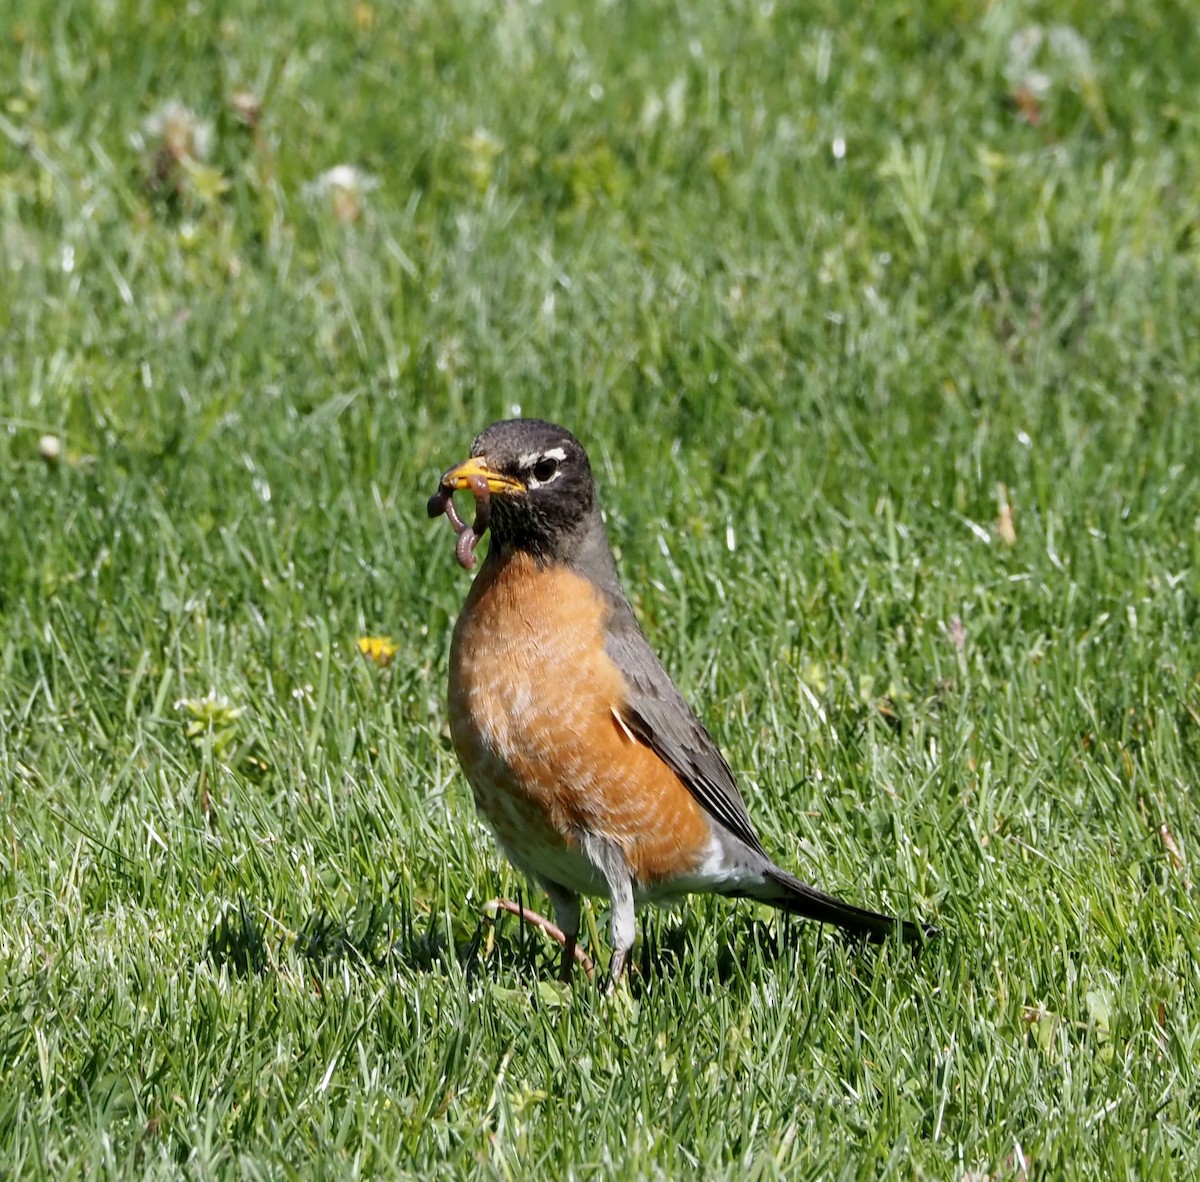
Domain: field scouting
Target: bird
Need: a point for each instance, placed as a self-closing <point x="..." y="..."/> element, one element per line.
<point x="594" y="774"/>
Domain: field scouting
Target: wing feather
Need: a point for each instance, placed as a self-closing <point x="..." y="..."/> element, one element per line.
<point x="657" y="715"/>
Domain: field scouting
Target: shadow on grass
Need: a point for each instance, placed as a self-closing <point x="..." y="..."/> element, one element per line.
<point x="236" y="941"/>
<point x="382" y="935"/>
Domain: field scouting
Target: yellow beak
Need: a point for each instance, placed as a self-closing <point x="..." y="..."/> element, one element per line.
<point x="461" y="475"/>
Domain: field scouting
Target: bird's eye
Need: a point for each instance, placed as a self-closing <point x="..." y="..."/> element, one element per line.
<point x="545" y="469"/>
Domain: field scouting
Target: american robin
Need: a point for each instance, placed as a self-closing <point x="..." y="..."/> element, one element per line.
<point x="594" y="773"/>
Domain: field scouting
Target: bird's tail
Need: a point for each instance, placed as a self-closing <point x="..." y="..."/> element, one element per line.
<point x="788" y="893"/>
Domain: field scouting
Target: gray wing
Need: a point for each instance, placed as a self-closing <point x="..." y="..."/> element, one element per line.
<point x="657" y="715"/>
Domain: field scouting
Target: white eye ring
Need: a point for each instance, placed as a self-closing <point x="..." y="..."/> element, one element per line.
<point x="542" y="467"/>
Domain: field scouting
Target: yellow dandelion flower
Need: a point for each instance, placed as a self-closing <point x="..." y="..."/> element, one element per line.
<point x="380" y="649"/>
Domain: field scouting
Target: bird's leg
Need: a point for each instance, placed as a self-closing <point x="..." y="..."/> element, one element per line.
<point x="567" y="963"/>
<point x="566" y="915"/>
<point x="610" y="861"/>
<point x="616" y="970"/>
<point x="624" y="926"/>
<point x="543" y="924"/>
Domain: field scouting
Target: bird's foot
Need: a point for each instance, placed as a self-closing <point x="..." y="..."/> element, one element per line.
<point x="572" y="953"/>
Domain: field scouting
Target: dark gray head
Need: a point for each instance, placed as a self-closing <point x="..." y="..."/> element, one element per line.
<point x="543" y="499"/>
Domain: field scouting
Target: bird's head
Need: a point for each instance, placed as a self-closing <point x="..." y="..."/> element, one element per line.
<point x="543" y="499"/>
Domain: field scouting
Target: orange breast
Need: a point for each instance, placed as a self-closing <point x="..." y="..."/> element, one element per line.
<point x="534" y="700"/>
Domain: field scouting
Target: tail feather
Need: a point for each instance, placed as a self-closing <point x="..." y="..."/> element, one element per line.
<point x="798" y="898"/>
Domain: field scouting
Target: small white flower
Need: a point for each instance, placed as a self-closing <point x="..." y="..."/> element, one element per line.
<point x="178" y="131"/>
<point x="1038" y="58"/>
<point x="343" y="186"/>
<point x="344" y="177"/>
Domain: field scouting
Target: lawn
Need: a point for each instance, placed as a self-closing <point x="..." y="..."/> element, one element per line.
<point x="879" y="323"/>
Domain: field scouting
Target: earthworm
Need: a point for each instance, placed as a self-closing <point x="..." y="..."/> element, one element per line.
<point x="442" y="501"/>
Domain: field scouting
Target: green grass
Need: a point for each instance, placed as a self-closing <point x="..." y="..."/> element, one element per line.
<point x="245" y="938"/>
